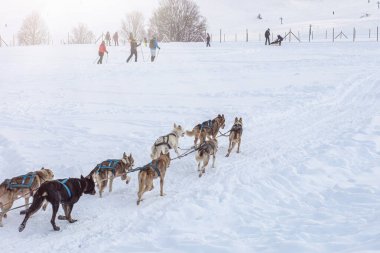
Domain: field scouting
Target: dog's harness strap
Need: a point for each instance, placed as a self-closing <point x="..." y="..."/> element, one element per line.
<point x="14" y="185"/>
<point x="111" y="166"/>
<point x="63" y="182"/>
<point x="154" y="166"/>
<point x="165" y="140"/>
<point x="206" y="124"/>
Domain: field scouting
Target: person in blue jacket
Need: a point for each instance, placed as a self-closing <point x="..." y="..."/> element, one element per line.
<point x="153" y="45"/>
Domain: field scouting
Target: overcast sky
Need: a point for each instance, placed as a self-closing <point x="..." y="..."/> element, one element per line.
<point x="231" y="15"/>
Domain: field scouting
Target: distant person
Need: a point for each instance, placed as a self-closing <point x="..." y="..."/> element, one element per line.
<point x="145" y="42"/>
<point x="102" y="50"/>
<point x="116" y="38"/>
<point x="267" y="34"/>
<point x="278" y="40"/>
<point x="153" y="45"/>
<point x="208" y="38"/>
<point x="108" y="38"/>
<point x="134" y="46"/>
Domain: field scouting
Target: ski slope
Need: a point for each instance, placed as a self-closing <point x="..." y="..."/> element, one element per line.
<point x="307" y="179"/>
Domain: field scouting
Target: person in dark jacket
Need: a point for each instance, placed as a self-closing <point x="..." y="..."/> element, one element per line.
<point x="108" y="38"/>
<point x="134" y="46"/>
<point x="267" y="34"/>
<point x="278" y="40"/>
<point x="208" y="38"/>
<point x="116" y="38"/>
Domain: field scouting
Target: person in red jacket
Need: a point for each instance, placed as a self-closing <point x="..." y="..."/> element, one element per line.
<point x="102" y="50"/>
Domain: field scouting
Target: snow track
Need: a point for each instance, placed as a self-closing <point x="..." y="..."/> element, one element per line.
<point x="305" y="181"/>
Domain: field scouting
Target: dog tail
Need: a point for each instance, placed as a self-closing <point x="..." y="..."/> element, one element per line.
<point x="38" y="200"/>
<point x="190" y="133"/>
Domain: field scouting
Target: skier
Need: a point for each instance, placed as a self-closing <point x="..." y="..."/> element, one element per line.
<point x="278" y="40"/>
<point x="102" y="50"/>
<point x="116" y="38"/>
<point x="134" y="46"/>
<point x="108" y="38"/>
<point x="267" y="34"/>
<point x="145" y="42"/>
<point x="208" y="40"/>
<point x="153" y="45"/>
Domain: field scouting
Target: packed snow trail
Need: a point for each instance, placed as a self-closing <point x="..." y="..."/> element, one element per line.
<point x="305" y="181"/>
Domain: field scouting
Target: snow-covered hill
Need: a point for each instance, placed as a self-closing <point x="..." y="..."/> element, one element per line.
<point x="307" y="179"/>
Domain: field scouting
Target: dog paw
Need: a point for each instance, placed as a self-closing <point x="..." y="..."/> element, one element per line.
<point x="5" y="215"/>
<point x="73" y="221"/>
<point x="21" y="228"/>
<point x="56" y="228"/>
<point x="227" y="155"/>
<point x="61" y="217"/>
<point x="1" y="225"/>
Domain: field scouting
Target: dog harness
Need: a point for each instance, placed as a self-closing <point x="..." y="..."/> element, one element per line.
<point x="153" y="165"/>
<point x="206" y="124"/>
<point x="110" y="166"/>
<point x="237" y="128"/>
<point x="63" y="182"/>
<point x="165" y="140"/>
<point x="24" y="185"/>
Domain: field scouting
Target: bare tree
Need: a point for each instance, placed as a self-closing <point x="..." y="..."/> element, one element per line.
<point x="82" y="35"/>
<point x="133" y="24"/>
<point x="33" y="31"/>
<point x="178" y="20"/>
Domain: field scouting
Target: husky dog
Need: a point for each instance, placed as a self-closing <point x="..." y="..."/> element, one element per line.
<point x="157" y="168"/>
<point x="108" y="170"/>
<point x="21" y="186"/>
<point x="211" y="127"/>
<point x="235" y="135"/>
<point x="164" y="143"/>
<point x="203" y="154"/>
<point x="63" y="191"/>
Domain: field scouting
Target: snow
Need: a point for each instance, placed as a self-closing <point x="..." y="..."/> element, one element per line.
<point x="307" y="179"/>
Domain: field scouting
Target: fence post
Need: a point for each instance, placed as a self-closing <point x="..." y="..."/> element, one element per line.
<point x="224" y="40"/>
<point x="247" y="35"/>
<point x="353" y="35"/>
<point x="326" y="35"/>
<point x="369" y="34"/>
<point x="220" y="35"/>
<point x="333" y="34"/>
<point x="68" y="38"/>
<point x="377" y="34"/>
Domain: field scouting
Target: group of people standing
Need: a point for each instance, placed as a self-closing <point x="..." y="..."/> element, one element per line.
<point x="267" y="39"/>
<point x="115" y="38"/>
<point x="153" y="45"/>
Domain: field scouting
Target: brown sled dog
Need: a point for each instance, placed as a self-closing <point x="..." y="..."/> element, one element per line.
<point x="235" y="135"/>
<point x="204" y="152"/>
<point x="211" y="127"/>
<point x="108" y="170"/>
<point x="157" y="168"/>
<point x="62" y="191"/>
<point x="21" y="186"/>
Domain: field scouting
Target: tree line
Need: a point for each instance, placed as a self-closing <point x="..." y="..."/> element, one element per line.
<point x="173" y="20"/>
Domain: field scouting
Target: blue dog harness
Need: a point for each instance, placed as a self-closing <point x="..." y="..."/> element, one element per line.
<point x="206" y="124"/>
<point x="63" y="182"/>
<point x="24" y="185"/>
<point x="111" y="166"/>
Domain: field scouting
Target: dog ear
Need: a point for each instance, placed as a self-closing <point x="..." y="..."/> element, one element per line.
<point x="223" y="116"/>
<point x="236" y="119"/>
<point x="81" y="177"/>
<point x="175" y="125"/>
<point x="130" y="155"/>
<point x="219" y="115"/>
<point x="241" y="120"/>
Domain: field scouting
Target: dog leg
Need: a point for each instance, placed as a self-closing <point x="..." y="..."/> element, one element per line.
<point x="161" y="185"/>
<point x="52" y="221"/>
<point x="199" y="166"/>
<point x="4" y="209"/>
<point x="238" y="150"/>
<point x="69" y="209"/>
<point x="111" y="182"/>
<point x="44" y="206"/>
<point x="142" y="179"/>
<point x="65" y="210"/>
<point x="213" y="161"/>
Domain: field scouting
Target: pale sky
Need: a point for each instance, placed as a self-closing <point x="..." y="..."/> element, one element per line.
<point x="231" y="15"/>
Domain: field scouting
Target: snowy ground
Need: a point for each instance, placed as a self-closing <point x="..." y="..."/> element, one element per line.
<point x="307" y="179"/>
